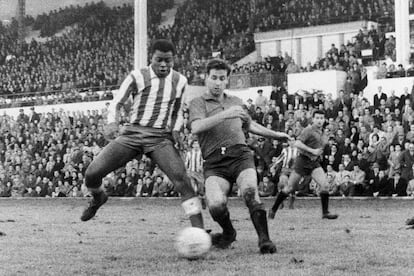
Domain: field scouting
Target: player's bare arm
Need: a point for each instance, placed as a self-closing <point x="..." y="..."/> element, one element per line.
<point x="263" y="131"/>
<point x="300" y="145"/>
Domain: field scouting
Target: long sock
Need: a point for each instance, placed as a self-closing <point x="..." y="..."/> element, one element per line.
<point x="260" y="224"/>
<point x="95" y="191"/>
<point x="223" y="219"/>
<point x="325" y="202"/>
<point x="192" y="209"/>
<point x="197" y="221"/>
<point x="281" y="196"/>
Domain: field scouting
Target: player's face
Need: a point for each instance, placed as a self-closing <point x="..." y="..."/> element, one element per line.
<point x="216" y="81"/>
<point x="318" y="119"/>
<point x="162" y="62"/>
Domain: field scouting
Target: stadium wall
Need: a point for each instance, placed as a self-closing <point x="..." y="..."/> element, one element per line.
<point x="307" y="44"/>
<point x="325" y="81"/>
<point x="388" y="85"/>
<point x="193" y="91"/>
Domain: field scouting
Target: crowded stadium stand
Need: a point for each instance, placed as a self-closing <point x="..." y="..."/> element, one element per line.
<point x="86" y="51"/>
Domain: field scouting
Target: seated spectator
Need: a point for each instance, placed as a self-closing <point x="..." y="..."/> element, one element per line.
<point x="266" y="187"/>
<point x="346" y="187"/>
<point x="410" y="186"/>
<point x="396" y="186"/>
<point x="166" y="187"/>
<point x="58" y="193"/>
<point x="357" y="178"/>
<point x="147" y="187"/>
<point x="399" y="72"/>
<point x="130" y="188"/>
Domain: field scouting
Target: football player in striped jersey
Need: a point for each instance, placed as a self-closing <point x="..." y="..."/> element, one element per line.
<point x="157" y="94"/>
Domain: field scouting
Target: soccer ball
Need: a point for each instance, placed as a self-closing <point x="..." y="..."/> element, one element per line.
<point x="193" y="243"/>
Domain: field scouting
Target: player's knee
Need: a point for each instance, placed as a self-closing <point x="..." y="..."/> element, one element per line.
<point x="250" y="196"/>
<point x="288" y="188"/>
<point x="217" y="208"/>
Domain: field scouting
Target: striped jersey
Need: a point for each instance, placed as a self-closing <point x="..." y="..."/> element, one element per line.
<point x="194" y="161"/>
<point x="156" y="102"/>
<point x="287" y="157"/>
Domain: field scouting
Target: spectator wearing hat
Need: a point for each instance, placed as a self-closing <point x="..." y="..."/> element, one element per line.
<point x="261" y="101"/>
<point x="22" y="118"/>
<point x="251" y="108"/>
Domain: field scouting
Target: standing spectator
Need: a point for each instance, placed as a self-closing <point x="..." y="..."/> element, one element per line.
<point x="380" y="95"/>
<point x="261" y="101"/>
<point x="34" y="117"/>
<point x="407" y="162"/>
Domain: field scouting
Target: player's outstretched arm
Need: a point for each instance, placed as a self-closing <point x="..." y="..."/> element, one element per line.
<point x="300" y="145"/>
<point x="263" y="131"/>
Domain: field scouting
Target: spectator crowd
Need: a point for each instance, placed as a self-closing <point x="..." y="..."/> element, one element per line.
<point x="96" y="50"/>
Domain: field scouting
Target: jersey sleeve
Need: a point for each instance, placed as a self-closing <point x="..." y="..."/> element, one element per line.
<point x="133" y="82"/>
<point x="197" y="109"/>
<point x="304" y="135"/>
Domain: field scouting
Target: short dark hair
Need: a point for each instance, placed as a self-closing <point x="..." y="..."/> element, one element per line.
<point x="162" y="45"/>
<point x="218" y="64"/>
<point x="318" y="111"/>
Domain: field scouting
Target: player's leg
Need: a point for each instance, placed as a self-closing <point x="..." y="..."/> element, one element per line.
<point x="216" y="190"/>
<point x="112" y="157"/>
<point x="170" y="162"/>
<point x="319" y="177"/>
<point x="290" y="188"/>
<point x="247" y="181"/>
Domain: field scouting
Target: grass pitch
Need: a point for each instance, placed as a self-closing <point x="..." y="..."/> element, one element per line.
<point x="136" y="237"/>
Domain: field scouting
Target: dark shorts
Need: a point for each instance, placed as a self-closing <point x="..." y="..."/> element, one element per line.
<point x="229" y="162"/>
<point x="144" y="139"/>
<point x="304" y="165"/>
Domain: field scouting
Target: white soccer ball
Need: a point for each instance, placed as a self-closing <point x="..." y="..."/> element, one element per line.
<point x="193" y="243"/>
